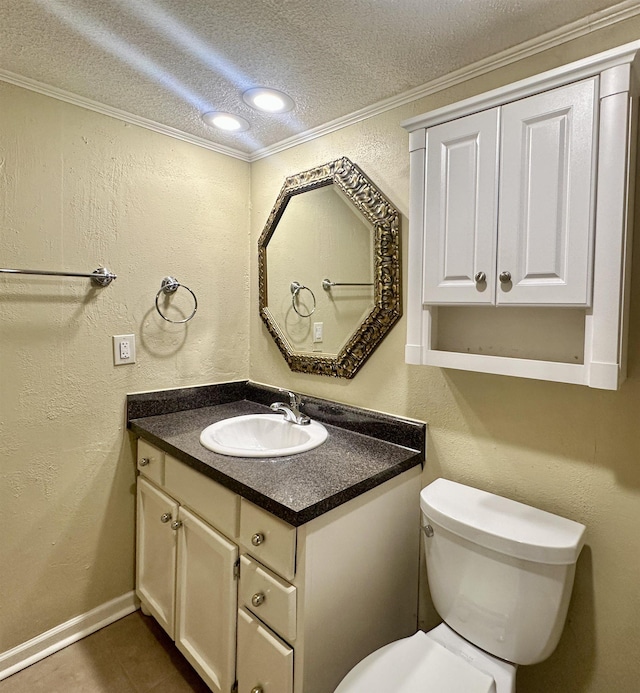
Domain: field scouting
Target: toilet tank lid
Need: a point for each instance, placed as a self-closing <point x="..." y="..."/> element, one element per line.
<point x="503" y="525"/>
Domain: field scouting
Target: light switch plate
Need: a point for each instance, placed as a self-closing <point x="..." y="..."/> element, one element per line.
<point x="124" y="349"/>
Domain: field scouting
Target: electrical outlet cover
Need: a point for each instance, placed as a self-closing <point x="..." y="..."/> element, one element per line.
<point x="124" y="349"/>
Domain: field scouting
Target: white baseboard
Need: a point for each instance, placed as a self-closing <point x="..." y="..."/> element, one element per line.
<point x="73" y="630"/>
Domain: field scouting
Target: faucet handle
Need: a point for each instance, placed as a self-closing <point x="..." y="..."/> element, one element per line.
<point x="295" y="400"/>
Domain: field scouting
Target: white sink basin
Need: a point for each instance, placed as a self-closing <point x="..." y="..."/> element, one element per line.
<point x="262" y="435"/>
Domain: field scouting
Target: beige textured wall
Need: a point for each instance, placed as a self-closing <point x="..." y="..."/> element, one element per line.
<point x="77" y="190"/>
<point x="564" y="448"/>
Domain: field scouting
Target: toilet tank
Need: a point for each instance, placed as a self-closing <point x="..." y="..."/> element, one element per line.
<point x="500" y="572"/>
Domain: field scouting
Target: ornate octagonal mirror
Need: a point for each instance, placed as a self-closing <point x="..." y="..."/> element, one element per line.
<point x="329" y="269"/>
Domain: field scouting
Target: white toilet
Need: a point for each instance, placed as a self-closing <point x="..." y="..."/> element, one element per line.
<point x="500" y="575"/>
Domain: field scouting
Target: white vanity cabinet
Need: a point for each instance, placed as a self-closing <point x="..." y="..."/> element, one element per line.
<point x="256" y="604"/>
<point x="520" y="226"/>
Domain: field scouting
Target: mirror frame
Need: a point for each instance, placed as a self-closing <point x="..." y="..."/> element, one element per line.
<point x="358" y="189"/>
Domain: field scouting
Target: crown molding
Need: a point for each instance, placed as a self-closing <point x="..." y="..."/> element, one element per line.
<point x="69" y="97"/>
<point x="611" y="16"/>
<point x="599" y="20"/>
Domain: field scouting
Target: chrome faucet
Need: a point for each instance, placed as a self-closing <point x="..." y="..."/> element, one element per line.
<point x="291" y="411"/>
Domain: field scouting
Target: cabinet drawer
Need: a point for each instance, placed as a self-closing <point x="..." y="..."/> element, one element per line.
<point x="264" y="661"/>
<point x="206" y="497"/>
<point x="150" y="462"/>
<point x="269" y="597"/>
<point x="271" y="540"/>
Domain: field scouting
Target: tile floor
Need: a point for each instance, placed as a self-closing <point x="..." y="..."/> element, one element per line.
<point x="133" y="655"/>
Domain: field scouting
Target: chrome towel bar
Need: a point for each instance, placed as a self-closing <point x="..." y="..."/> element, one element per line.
<point x="327" y="284"/>
<point x="101" y="277"/>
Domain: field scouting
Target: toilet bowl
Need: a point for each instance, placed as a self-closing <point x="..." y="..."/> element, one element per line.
<point x="501" y="575"/>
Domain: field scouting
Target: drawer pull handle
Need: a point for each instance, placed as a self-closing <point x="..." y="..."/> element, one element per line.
<point x="165" y="517"/>
<point x="257" y="538"/>
<point x="257" y="689"/>
<point x="144" y="461"/>
<point x="258" y="598"/>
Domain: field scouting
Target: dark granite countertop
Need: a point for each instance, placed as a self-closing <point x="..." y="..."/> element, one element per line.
<point x="363" y="449"/>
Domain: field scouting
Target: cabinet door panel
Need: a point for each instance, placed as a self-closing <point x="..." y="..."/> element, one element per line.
<point x="546" y="211"/>
<point x="156" y="553"/>
<point x="206" y="601"/>
<point x="460" y="212"/>
<point x="263" y="659"/>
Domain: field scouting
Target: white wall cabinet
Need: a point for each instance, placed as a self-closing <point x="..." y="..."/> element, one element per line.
<point x="520" y="218"/>
<point x="509" y="203"/>
<point x="256" y="604"/>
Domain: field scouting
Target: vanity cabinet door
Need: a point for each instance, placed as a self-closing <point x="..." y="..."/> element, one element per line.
<point x="206" y="601"/>
<point x="156" y="553"/>
<point x="545" y="233"/>
<point x="461" y="210"/>
<point x="265" y="663"/>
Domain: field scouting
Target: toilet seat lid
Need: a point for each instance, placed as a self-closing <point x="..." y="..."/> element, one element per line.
<point x="416" y="664"/>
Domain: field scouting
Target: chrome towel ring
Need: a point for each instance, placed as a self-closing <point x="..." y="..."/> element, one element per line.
<point x="296" y="288"/>
<point x="168" y="286"/>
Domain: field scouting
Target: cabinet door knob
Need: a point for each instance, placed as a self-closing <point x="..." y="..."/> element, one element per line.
<point x="427" y="530"/>
<point x="176" y="524"/>
<point x="480" y="277"/>
<point x="257" y="538"/>
<point x="257" y="598"/>
<point x="165" y="517"/>
<point x="257" y="689"/>
<point x="144" y="461"/>
<point x="505" y="277"/>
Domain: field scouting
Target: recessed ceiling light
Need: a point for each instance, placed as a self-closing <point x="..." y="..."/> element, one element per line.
<point x="225" y="121"/>
<point x="268" y="100"/>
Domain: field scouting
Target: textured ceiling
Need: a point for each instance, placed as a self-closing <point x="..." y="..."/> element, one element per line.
<point x="168" y="61"/>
